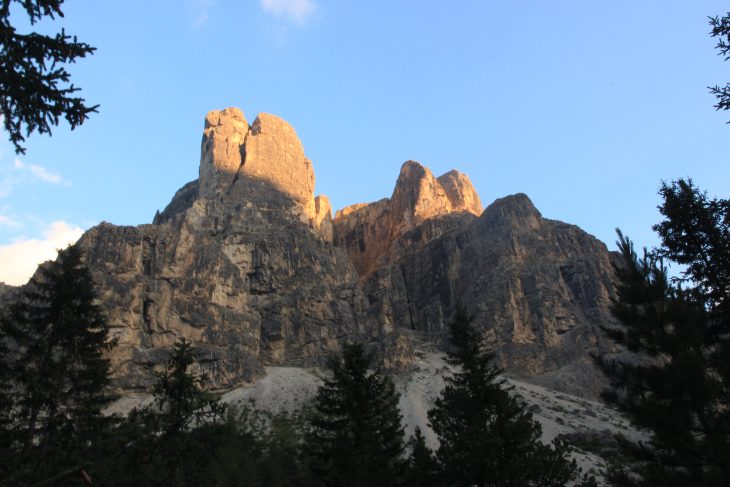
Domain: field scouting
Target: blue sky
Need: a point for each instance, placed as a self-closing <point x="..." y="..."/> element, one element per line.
<point x="583" y="105"/>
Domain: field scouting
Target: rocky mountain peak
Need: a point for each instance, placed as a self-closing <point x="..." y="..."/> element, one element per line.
<point x="461" y="193"/>
<point x="417" y="197"/>
<point x="515" y="209"/>
<point x="248" y="265"/>
<point x="368" y="231"/>
<point x="221" y="153"/>
<point x="274" y="153"/>
<point x="268" y="152"/>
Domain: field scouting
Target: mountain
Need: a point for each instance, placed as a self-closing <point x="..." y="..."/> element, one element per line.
<point x="251" y="267"/>
<point x="540" y="289"/>
<point x="241" y="263"/>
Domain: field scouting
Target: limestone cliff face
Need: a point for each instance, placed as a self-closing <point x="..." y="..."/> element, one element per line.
<point x="268" y="152"/>
<point x="461" y="193"/>
<point x="247" y="264"/>
<point x="241" y="263"/>
<point x="370" y="232"/>
<point x="538" y="289"/>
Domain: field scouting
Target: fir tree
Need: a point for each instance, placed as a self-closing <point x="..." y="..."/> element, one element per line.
<point x="172" y="440"/>
<point x="7" y="395"/>
<point x="486" y="437"/>
<point x="35" y="88"/>
<point x="676" y="383"/>
<point x="60" y="377"/>
<point x="721" y="30"/>
<point x="421" y="466"/>
<point x="356" y="437"/>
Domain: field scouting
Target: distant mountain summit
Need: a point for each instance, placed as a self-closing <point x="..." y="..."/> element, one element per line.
<point x="251" y="267"/>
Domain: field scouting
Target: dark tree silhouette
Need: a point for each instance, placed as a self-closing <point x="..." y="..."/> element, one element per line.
<point x="356" y="437"/>
<point x="57" y="334"/>
<point x="677" y="382"/>
<point x="35" y="88"/>
<point x="721" y="30"/>
<point x="421" y="466"/>
<point x="172" y="439"/>
<point x="486" y="437"/>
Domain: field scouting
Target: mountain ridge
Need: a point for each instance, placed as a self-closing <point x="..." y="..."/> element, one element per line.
<point x="251" y="267"/>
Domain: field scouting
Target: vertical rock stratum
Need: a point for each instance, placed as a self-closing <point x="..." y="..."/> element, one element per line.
<point x="246" y="263"/>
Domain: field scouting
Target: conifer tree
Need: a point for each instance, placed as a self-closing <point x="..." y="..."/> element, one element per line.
<point x="721" y="30"/>
<point x="7" y="396"/>
<point x="172" y="440"/>
<point x="421" y="466"/>
<point x="676" y="383"/>
<point x="59" y="375"/>
<point x="356" y="437"/>
<point x="35" y="88"/>
<point x="486" y="437"/>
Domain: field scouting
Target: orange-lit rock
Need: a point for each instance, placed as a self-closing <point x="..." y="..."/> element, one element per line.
<point x="323" y="217"/>
<point x="251" y="268"/>
<point x="221" y="151"/>
<point x="275" y="155"/>
<point x="368" y="231"/>
<point x="461" y="193"/>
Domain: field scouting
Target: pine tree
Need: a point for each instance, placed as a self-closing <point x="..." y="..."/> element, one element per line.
<point x="487" y="437"/>
<point x="59" y="375"/>
<point x="356" y="437"/>
<point x="421" y="466"/>
<point x="172" y="440"/>
<point x="676" y="383"/>
<point x="7" y="406"/>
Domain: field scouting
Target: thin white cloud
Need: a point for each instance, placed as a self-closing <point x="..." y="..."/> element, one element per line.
<point x="6" y="185"/>
<point x="19" y="260"/>
<point x="298" y="11"/>
<point x="8" y="222"/>
<point x="39" y="172"/>
<point x="201" y="11"/>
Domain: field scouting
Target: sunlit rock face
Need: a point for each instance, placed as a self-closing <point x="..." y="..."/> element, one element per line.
<point x="538" y="289"/>
<point x="461" y="193"/>
<point x="222" y="152"/>
<point x="268" y="152"/>
<point x="241" y="263"/>
<point x="248" y="265"/>
<point x="371" y="232"/>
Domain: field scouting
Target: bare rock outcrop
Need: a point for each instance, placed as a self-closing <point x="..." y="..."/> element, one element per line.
<point x="323" y="217"/>
<point x="539" y="289"/>
<point x="461" y="193"/>
<point x="268" y="152"/>
<point x="240" y="262"/>
<point x="274" y="154"/>
<point x="248" y="265"/>
<point x="370" y="231"/>
<point x="222" y="152"/>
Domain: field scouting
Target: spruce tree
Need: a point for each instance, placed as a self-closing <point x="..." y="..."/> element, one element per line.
<point x="356" y="437"/>
<point x="35" y="88"/>
<point x="676" y="381"/>
<point x="488" y="438"/>
<point x="172" y="441"/>
<point x="721" y="30"/>
<point x="421" y="466"/>
<point x="60" y="378"/>
<point x="7" y="395"/>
